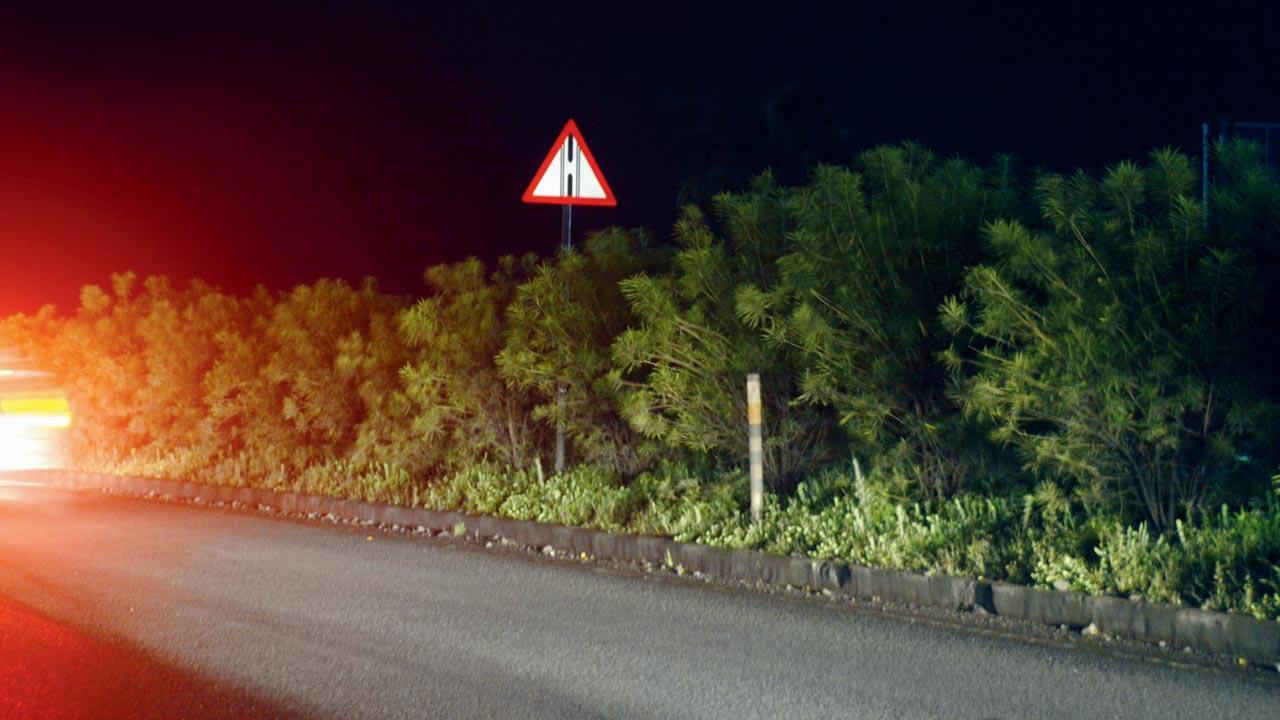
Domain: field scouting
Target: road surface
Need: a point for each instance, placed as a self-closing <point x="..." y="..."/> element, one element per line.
<point x="111" y="607"/>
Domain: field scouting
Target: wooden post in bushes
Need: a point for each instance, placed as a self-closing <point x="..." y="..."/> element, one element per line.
<point x="755" y="446"/>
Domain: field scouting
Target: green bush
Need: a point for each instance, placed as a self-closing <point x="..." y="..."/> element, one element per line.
<point x="460" y="410"/>
<point x="560" y="326"/>
<point x="871" y="250"/>
<point x="683" y="364"/>
<point x="1113" y="343"/>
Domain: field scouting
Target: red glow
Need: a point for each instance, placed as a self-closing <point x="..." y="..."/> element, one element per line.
<point x="48" y="672"/>
<point x="238" y="180"/>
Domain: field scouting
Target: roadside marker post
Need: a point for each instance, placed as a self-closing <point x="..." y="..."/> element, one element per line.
<point x="568" y="176"/>
<point x="755" y="446"/>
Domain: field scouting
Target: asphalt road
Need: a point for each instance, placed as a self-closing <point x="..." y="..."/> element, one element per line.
<point x="123" y="608"/>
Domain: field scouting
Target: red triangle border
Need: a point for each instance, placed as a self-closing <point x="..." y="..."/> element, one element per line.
<point x="570" y="128"/>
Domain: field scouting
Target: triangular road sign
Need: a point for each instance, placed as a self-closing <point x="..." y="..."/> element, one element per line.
<point x="569" y="175"/>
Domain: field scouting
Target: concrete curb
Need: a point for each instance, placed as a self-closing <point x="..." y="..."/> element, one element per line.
<point x="1238" y="636"/>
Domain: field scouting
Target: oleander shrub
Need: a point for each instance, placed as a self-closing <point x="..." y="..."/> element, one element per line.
<point x="1114" y="343"/>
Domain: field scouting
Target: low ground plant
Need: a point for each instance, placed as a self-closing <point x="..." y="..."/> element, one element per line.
<point x="666" y="501"/>
<point x="1227" y="560"/>
<point x="839" y="515"/>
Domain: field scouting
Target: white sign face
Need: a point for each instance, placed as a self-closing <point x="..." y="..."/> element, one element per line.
<point x="569" y="175"/>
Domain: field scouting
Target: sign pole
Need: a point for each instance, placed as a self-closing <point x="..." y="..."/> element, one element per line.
<point x="566" y="227"/>
<point x="566" y="242"/>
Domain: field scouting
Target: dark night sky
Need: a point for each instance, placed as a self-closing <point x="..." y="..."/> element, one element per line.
<point x="246" y="142"/>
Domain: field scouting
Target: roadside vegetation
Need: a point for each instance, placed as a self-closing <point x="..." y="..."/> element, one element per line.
<point x="1065" y="380"/>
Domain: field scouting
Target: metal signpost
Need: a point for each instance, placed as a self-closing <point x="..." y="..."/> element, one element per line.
<point x="569" y="176"/>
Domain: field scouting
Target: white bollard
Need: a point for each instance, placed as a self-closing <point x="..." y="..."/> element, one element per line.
<point x="755" y="445"/>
